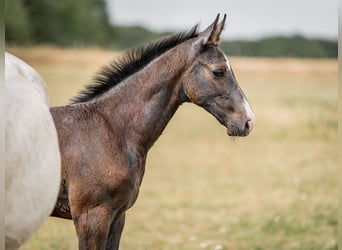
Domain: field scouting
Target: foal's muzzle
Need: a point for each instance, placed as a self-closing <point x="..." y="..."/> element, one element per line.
<point x="246" y="129"/>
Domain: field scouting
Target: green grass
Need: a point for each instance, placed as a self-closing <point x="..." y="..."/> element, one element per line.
<point x="275" y="189"/>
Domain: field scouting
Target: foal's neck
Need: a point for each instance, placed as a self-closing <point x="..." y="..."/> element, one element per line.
<point x="142" y="105"/>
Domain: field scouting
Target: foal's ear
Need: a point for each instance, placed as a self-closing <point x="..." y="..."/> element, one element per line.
<point x="211" y="35"/>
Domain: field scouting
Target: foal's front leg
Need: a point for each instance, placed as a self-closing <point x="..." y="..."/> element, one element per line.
<point x="115" y="233"/>
<point x="92" y="227"/>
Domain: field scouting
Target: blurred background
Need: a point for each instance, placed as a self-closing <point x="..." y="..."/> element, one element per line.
<point x="254" y="28"/>
<point x="275" y="189"/>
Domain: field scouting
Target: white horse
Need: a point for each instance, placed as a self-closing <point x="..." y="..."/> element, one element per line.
<point x="33" y="165"/>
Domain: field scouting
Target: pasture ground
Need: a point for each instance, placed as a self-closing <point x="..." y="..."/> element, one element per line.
<point x="275" y="189"/>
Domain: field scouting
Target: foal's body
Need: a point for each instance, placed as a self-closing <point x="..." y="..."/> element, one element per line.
<point x="120" y="128"/>
<point x="104" y="138"/>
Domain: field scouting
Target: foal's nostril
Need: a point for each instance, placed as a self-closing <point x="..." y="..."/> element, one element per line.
<point x="249" y="125"/>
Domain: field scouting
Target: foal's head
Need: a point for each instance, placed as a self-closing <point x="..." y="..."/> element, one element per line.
<point x="211" y="83"/>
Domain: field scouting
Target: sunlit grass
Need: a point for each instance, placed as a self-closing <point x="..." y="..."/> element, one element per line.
<point x="275" y="189"/>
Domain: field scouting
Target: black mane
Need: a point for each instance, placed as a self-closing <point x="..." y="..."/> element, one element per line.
<point x="133" y="61"/>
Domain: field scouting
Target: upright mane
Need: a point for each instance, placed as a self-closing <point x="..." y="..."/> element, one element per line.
<point x="130" y="63"/>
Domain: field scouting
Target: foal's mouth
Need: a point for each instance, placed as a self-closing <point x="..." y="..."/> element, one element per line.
<point x="234" y="131"/>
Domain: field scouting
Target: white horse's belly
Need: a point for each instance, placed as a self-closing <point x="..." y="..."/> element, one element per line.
<point x="32" y="154"/>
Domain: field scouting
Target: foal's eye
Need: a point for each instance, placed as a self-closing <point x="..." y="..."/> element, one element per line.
<point x="218" y="72"/>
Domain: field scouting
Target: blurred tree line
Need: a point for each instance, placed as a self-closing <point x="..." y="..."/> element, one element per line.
<point x="60" y="22"/>
<point x="294" y="46"/>
<point x="85" y="23"/>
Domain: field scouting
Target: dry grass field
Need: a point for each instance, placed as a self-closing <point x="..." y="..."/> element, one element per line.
<point x="275" y="189"/>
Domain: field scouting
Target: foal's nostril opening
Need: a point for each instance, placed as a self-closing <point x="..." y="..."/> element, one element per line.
<point x="249" y="126"/>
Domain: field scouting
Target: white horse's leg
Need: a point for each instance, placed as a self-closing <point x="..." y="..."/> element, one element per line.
<point x="32" y="153"/>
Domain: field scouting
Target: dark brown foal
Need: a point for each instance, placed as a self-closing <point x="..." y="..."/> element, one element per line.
<point x="104" y="136"/>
